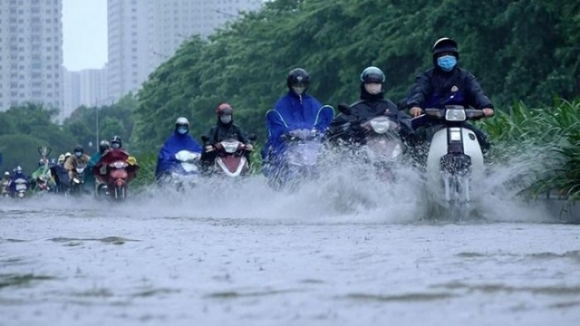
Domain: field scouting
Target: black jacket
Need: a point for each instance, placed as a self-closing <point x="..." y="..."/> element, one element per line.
<point x="369" y="106"/>
<point x="223" y="131"/>
<point x="436" y="88"/>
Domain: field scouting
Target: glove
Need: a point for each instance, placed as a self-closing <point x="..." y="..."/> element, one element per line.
<point x="249" y="147"/>
<point x="344" y="108"/>
<point x="208" y="148"/>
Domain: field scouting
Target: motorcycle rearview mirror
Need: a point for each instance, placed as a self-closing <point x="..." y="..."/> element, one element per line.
<point x="252" y="137"/>
<point x="344" y="109"/>
<point x="44" y="151"/>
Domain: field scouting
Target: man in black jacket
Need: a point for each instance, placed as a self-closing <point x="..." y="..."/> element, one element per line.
<point x="224" y="129"/>
<point x="372" y="104"/>
<point x="447" y="84"/>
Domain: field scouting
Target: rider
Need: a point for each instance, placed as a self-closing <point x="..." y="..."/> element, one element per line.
<point x="79" y="157"/>
<point x="372" y="103"/>
<point x="96" y="157"/>
<point x="42" y="176"/>
<point x="224" y="129"/>
<point x="448" y="84"/>
<point x="294" y="111"/>
<point x="178" y="141"/>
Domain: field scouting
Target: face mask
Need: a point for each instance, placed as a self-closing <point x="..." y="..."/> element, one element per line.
<point x="226" y="119"/>
<point x="373" y="88"/>
<point x="447" y="62"/>
<point x="78" y="154"/>
<point x="115" y="145"/>
<point x="298" y="90"/>
<point x="182" y="130"/>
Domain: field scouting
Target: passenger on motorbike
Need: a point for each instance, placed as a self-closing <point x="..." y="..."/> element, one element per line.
<point x="180" y="140"/>
<point x="73" y="161"/>
<point x="224" y="129"/>
<point x="347" y="127"/>
<point x="448" y="84"/>
<point x="294" y="111"/>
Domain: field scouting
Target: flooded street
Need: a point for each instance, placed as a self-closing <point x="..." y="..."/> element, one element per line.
<point x="264" y="258"/>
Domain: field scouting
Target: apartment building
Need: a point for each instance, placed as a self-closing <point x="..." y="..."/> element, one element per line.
<point x="86" y="87"/>
<point x="145" y="33"/>
<point x="31" y="53"/>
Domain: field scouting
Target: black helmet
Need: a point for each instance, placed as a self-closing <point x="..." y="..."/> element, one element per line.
<point x="445" y="45"/>
<point x="116" y="142"/>
<point x="103" y="146"/>
<point x="372" y="75"/>
<point x="296" y="77"/>
<point x="79" y="148"/>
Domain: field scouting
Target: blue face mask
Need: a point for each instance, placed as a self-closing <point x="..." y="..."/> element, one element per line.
<point x="182" y="130"/>
<point x="78" y="154"/>
<point x="447" y="62"/>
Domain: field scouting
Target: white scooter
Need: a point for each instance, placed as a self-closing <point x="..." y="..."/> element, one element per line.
<point x="186" y="173"/>
<point x="230" y="159"/>
<point x="455" y="160"/>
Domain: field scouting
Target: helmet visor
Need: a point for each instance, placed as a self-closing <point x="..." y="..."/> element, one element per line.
<point x="373" y="78"/>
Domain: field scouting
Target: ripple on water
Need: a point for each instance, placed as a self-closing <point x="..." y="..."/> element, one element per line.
<point x="7" y="280"/>
<point x="405" y="297"/>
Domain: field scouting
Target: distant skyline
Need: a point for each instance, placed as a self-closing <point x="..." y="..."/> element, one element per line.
<point x="84" y="34"/>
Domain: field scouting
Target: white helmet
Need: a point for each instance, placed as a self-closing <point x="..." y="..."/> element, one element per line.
<point x="182" y="121"/>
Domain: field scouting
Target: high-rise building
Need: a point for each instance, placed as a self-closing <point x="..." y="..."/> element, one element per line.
<point x="86" y="87"/>
<point x="144" y="33"/>
<point x="31" y="53"/>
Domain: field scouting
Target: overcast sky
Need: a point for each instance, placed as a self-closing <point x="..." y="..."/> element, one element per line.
<point x="84" y="34"/>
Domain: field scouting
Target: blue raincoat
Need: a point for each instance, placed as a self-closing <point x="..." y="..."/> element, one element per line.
<point x="166" y="160"/>
<point x="293" y="112"/>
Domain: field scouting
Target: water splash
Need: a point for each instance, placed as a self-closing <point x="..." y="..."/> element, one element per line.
<point x="347" y="191"/>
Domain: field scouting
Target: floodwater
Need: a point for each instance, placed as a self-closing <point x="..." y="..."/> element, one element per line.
<point x="335" y="253"/>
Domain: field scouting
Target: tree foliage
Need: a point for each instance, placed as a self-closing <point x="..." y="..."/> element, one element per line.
<point x="519" y="50"/>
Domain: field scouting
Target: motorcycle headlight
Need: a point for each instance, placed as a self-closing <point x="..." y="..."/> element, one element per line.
<point x="118" y="165"/>
<point x="455" y="115"/>
<point x="380" y="126"/>
<point x="230" y="147"/>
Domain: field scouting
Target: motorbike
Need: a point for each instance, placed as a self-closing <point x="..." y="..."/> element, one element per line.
<point x="454" y="160"/>
<point x="379" y="141"/>
<point x="185" y="173"/>
<point x="113" y="173"/>
<point x="299" y="161"/>
<point x="78" y="180"/>
<point x="42" y="179"/>
<point x="230" y="157"/>
<point x="20" y="187"/>
<point x="5" y="188"/>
